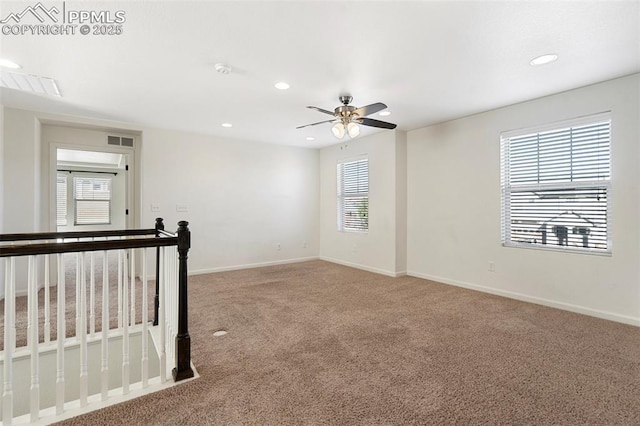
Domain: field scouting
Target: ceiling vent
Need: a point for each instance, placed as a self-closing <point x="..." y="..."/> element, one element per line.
<point x="29" y="83"/>
<point x="120" y="141"/>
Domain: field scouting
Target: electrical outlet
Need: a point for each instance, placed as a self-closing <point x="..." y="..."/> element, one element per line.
<point x="181" y="208"/>
<point x="155" y="208"/>
<point x="492" y="266"/>
<point x="278" y="247"/>
<point x="304" y="244"/>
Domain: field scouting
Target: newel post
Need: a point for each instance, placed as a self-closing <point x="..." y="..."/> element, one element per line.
<point x="156" y="305"/>
<point x="183" y="341"/>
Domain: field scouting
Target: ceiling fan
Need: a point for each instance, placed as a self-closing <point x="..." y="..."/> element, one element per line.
<point x="347" y="117"/>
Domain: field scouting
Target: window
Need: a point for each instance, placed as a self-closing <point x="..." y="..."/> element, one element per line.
<point x="556" y="186"/>
<point x="61" y="200"/>
<point x="353" y="195"/>
<point x="92" y="198"/>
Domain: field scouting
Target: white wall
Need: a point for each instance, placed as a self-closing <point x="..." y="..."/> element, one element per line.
<point x="21" y="160"/>
<point x="375" y="250"/>
<point x="401" y="203"/>
<point x="454" y="207"/>
<point x="243" y="198"/>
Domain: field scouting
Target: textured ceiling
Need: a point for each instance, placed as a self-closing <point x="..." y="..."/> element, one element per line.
<point x="428" y="61"/>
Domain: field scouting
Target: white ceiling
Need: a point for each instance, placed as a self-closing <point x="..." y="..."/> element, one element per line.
<point x="428" y="61"/>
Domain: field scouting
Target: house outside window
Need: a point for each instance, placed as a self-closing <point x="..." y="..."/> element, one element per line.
<point x="353" y="195"/>
<point x="556" y="190"/>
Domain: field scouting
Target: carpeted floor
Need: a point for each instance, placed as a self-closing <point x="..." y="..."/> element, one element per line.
<point x="318" y="343"/>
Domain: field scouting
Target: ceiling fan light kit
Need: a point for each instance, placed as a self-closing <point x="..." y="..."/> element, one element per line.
<point x="347" y="118"/>
<point x="338" y="130"/>
<point x="353" y="129"/>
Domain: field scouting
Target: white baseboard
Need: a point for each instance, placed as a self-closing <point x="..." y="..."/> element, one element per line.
<point x="625" y="319"/>
<point x="251" y="265"/>
<point x="364" y="267"/>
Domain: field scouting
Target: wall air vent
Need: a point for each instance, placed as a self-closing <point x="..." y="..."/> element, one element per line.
<point x="120" y="141"/>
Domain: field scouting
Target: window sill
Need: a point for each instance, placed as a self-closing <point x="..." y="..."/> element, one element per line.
<point x="353" y="231"/>
<point x="572" y="250"/>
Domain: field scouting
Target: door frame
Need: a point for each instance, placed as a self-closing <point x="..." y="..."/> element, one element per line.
<point x="130" y="188"/>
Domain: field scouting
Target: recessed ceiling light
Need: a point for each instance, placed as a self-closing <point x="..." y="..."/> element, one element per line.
<point x="544" y="59"/>
<point x="310" y="138"/>
<point x="282" y="85"/>
<point x="9" y="64"/>
<point x="227" y="125"/>
<point x="385" y="113"/>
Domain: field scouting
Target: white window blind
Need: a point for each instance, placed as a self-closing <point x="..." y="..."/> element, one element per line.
<point x="61" y="200"/>
<point x="556" y="186"/>
<point x="92" y="200"/>
<point x="353" y="195"/>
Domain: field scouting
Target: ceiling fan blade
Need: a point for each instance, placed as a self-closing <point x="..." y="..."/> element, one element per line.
<point x="313" y="124"/>
<point x="376" y="123"/>
<point x="369" y="109"/>
<point x="321" y="110"/>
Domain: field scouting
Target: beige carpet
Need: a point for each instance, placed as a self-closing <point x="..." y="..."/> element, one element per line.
<point x="317" y="343"/>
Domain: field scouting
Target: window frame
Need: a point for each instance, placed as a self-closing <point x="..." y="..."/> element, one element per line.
<point x="62" y="199"/>
<point x="341" y="197"/>
<point x="76" y="199"/>
<point x="597" y="184"/>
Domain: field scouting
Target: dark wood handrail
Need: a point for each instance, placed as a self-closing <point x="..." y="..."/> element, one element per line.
<point x="78" y="246"/>
<point x="75" y="234"/>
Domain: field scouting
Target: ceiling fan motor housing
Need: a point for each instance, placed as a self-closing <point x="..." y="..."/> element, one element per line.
<point x="345" y="99"/>
<point x="344" y="111"/>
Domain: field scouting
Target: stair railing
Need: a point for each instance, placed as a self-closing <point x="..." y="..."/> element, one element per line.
<point x="44" y="255"/>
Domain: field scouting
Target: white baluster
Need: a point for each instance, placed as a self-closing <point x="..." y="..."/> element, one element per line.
<point x="125" y="331"/>
<point x="32" y="332"/>
<point x="78" y="275"/>
<point x="92" y="297"/>
<point x="105" y="327"/>
<point x="170" y="303"/>
<point x="132" y="254"/>
<point x="119" y="289"/>
<point x="61" y="336"/>
<point x="145" y="315"/>
<point x="13" y="295"/>
<point x="47" y="307"/>
<point x="161" y="318"/>
<point x="9" y="305"/>
<point x="174" y="275"/>
<point x="84" y="374"/>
